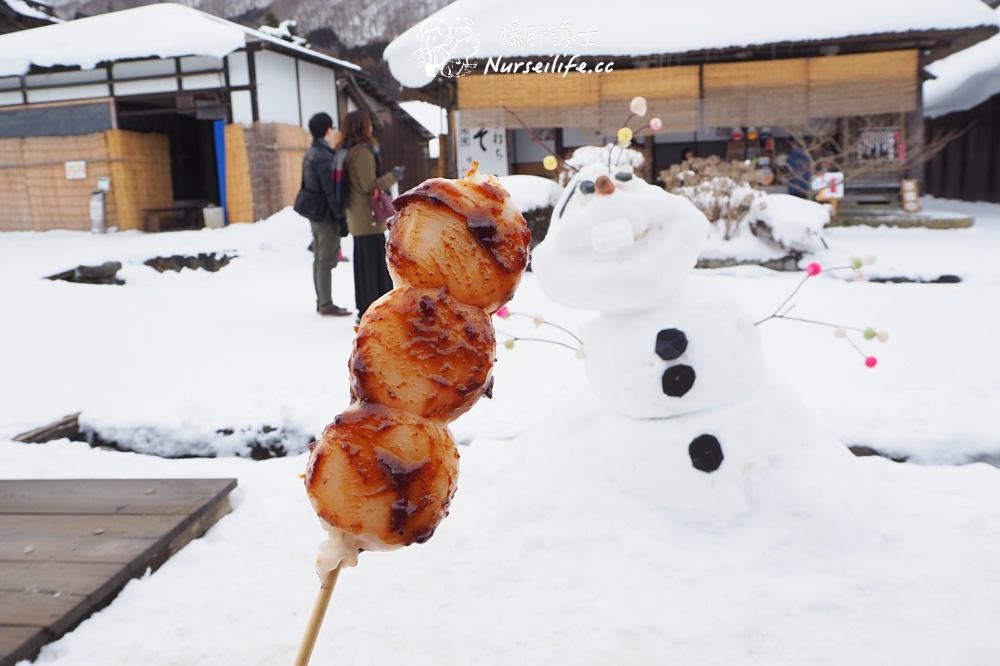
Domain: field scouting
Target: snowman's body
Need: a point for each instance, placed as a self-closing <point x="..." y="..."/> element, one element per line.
<point x="665" y="344"/>
<point x="698" y="350"/>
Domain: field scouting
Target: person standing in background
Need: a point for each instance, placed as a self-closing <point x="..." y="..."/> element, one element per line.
<point x="317" y="201"/>
<point x="363" y="173"/>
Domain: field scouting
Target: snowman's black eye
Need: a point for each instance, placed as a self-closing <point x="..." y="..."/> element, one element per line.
<point x="623" y="176"/>
<point x="586" y="186"/>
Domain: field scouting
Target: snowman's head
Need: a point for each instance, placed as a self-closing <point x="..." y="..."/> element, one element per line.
<point x="617" y="243"/>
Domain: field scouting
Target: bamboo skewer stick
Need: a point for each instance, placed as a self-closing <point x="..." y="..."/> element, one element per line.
<point x="316" y="619"/>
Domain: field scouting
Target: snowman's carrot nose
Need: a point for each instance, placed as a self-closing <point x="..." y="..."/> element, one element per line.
<point x="603" y="185"/>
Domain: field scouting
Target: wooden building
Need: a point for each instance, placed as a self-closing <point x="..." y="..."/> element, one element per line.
<point x="963" y="103"/>
<point x="713" y="75"/>
<point x="167" y="107"/>
<point x="403" y="140"/>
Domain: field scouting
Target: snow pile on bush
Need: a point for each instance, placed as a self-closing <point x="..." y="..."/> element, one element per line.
<point x="792" y="223"/>
<point x="727" y="193"/>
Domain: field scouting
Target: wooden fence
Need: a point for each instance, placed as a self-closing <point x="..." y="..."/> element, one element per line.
<point x="969" y="166"/>
<point x="40" y="187"/>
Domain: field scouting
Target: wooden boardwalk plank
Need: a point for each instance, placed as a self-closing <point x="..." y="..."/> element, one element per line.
<point x="56" y="577"/>
<point x="81" y="538"/>
<point x="126" y="496"/>
<point x="67" y="547"/>
<point x="17" y="643"/>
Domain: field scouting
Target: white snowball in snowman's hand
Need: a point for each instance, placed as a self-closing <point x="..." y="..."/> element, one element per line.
<point x="626" y="249"/>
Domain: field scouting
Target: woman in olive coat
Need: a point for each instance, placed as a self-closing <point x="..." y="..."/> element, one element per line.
<point x="363" y="172"/>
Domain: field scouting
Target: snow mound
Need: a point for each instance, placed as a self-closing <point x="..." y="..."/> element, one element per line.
<point x="795" y="224"/>
<point x="531" y="192"/>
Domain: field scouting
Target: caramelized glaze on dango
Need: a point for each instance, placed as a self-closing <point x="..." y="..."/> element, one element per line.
<point x="465" y="235"/>
<point x="384" y="472"/>
<point x="423" y="351"/>
<point x="383" y="475"/>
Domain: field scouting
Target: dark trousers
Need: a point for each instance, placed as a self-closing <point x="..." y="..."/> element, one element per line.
<point x="371" y="277"/>
<point x="326" y="250"/>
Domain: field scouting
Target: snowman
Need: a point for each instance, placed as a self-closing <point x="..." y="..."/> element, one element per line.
<point x="665" y="344"/>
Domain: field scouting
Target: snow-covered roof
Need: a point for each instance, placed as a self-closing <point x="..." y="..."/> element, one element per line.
<point x="964" y="79"/>
<point x="427" y="114"/>
<point x="521" y="28"/>
<point x="165" y="29"/>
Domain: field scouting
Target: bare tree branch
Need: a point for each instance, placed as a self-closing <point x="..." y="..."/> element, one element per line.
<point x="864" y="147"/>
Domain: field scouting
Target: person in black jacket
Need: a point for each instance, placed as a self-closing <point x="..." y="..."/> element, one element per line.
<point x="317" y="201"/>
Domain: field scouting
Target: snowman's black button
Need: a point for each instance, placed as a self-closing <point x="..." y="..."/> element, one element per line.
<point x="670" y="343"/>
<point x="587" y="186"/>
<point x="678" y="380"/>
<point x="706" y="453"/>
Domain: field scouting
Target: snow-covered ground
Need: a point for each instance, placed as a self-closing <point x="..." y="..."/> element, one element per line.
<point x="577" y="536"/>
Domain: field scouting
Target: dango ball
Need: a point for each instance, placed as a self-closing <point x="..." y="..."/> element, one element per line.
<point x="446" y="349"/>
<point x="550" y="163"/>
<point x="813" y="269"/>
<point x="465" y="235"/>
<point x="871" y="362"/>
<point x="383" y="475"/>
<point x="655" y="124"/>
<point x="624" y="135"/>
<point x="638" y="106"/>
<point x="870" y="333"/>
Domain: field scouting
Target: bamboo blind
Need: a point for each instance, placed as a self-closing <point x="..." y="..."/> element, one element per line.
<point x="598" y="100"/>
<point x="540" y="100"/>
<point x="36" y="193"/>
<point x="293" y="141"/>
<point x="671" y="95"/>
<point x="239" y="190"/>
<point x="773" y="92"/>
<point x="743" y="94"/>
<point x="863" y="84"/>
<point x="140" y="175"/>
<point x="527" y="90"/>
<point x="13" y="188"/>
<point x="789" y="92"/>
<point x="275" y="154"/>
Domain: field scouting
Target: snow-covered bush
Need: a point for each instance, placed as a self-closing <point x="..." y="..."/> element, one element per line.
<point x="723" y="191"/>
<point x="727" y="193"/>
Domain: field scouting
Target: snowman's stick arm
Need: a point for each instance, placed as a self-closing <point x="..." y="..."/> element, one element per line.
<point x="784" y="302"/>
<point x="546" y="322"/>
